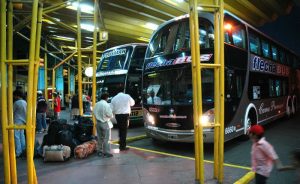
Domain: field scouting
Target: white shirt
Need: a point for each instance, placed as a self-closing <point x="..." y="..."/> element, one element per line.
<point x="154" y="100"/>
<point x="121" y="103"/>
<point x="102" y="111"/>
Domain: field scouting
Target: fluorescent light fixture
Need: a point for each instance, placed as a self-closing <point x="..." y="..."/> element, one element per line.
<point x="179" y="1"/>
<point x="88" y="27"/>
<point x="83" y="7"/>
<point x="63" y="38"/>
<point x="199" y="8"/>
<point x="47" y="21"/>
<point x="150" y="25"/>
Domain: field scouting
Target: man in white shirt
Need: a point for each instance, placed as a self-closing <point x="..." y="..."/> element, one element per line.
<point x="103" y="114"/>
<point x="121" y="104"/>
<point x="152" y="99"/>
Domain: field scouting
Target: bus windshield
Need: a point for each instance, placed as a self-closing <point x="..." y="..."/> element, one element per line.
<point x="175" y="38"/>
<point x="111" y="84"/>
<point x="115" y="59"/>
<point x="174" y="87"/>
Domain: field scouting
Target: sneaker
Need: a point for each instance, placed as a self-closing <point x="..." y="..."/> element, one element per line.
<point x="124" y="149"/>
<point x="100" y="154"/>
<point x="107" y="155"/>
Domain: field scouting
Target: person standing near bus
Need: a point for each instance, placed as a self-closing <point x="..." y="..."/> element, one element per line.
<point x="103" y="114"/>
<point x="41" y="109"/>
<point x="20" y="110"/>
<point x="56" y="105"/>
<point x="263" y="155"/>
<point x="121" y="104"/>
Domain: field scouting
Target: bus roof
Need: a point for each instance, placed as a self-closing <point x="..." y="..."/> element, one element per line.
<point x="128" y="44"/>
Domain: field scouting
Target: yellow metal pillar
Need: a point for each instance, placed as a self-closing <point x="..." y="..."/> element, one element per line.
<point x="79" y="60"/>
<point x="222" y="91"/>
<point x="197" y="93"/>
<point x="215" y="7"/>
<point x="94" y="60"/>
<point x="46" y="71"/>
<point x="6" y="160"/>
<point x="12" y="153"/>
<point x="30" y="93"/>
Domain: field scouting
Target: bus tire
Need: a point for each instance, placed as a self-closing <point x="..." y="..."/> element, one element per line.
<point x="251" y="119"/>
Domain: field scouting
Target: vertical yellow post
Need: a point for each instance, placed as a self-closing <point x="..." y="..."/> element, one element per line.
<point x="79" y="59"/>
<point x="197" y="93"/>
<point x="222" y="93"/>
<point x="35" y="81"/>
<point x="6" y="160"/>
<point x="53" y="87"/>
<point x="12" y="153"/>
<point x="46" y="71"/>
<point x="216" y="92"/>
<point x="94" y="60"/>
<point x="29" y="123"/>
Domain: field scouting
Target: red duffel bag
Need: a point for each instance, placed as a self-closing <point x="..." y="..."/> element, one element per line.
<point x="85" y="149"/>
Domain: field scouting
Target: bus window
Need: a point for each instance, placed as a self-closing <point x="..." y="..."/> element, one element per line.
<point x="271" y="88"/>
<point x="265" y="48"/>
<point x="278" y="88"/>
<point x="238" y="37"/>
<point x="274" y="53"/>
<point x="282" y="57"/>
<point x="182" y="38"/>
<point x="254" y="44"/>
<point x="137" y="61"/>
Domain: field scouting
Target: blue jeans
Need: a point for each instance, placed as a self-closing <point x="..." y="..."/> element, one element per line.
<point x="41" y="121"/>
<point x="19" y="142"/>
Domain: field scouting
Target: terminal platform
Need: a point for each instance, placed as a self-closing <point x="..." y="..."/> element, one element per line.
<point x="134" y="166"/>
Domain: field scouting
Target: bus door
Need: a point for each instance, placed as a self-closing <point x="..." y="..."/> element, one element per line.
<point x="233" y="93"/>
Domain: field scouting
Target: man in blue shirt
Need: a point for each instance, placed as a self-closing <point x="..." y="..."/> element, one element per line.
<point x="20" y="110"/>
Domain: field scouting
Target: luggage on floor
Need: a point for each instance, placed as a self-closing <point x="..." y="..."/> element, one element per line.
<point x="85" y="149"/>
<point x="84" y="129"/>
<point x="58" y="153"/>
<point x="65" y="137"/>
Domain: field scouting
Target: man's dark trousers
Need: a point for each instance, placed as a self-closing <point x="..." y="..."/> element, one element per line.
<point x="122" y="121"/>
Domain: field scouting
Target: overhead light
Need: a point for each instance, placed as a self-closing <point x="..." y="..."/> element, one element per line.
<point x="83" y="7"/>
<point x="64" y="38"/>
<point x="199" y="8"/>
<point x="88" y="71"/>
<point x="150" y="25"/>
<point x="179" y="1"/>
<point x="88" y="27"/>
<point x="103" y="36"/>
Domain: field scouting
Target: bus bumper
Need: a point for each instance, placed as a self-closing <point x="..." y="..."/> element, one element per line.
<point x="178" y="136"/>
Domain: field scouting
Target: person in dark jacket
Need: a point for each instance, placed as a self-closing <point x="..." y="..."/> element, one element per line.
<point x="75" y="107"/>
<point x="41" y="108"/>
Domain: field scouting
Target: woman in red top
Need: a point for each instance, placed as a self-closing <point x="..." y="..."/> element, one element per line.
<point x="56" y="105"/>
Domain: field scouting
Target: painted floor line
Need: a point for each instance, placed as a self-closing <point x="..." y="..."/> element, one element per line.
<point x="245" y="179"/>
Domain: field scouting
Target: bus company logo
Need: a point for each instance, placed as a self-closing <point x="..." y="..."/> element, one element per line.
<point x="115" y="53"/>
<point x="152" y="109"/>
<point x="268" y="67"/>
<point x="162" y="62"/>
<point x="173" y="125"/>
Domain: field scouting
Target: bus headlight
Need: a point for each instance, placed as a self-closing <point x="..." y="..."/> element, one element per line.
<point x="208" y="118"/>
<point x="150" y="119"/>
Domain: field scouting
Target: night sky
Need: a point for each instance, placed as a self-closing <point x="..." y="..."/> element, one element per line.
<point x="286" y="29"/>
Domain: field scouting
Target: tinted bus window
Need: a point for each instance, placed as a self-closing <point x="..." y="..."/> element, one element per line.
<point x="265" y="48"/>
<point x="274" y="53"/>
<point x="282" y="57"/>
<point x="234" y="32"/>
<point x="254" y="44"/>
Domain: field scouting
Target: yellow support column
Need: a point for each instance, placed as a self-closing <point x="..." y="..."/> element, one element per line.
<point x="30" y="92"/>
<point x="79" y="60"/>
<point x="94" y="61"/>
<point x="222" y="93"/>
<point x="12" y="153"/>
<point x="197" y="93"/>
<point x="6" y="160"/>
<point x="46" y="71"/>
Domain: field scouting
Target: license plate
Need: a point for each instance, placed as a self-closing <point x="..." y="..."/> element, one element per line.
<point x="172" y="136"/>
<point x="136" y="113"/>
